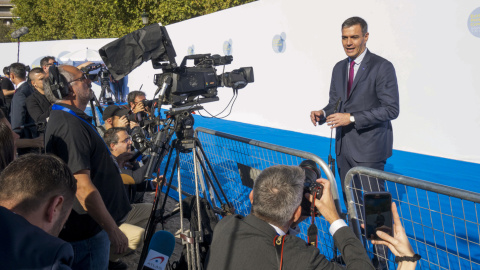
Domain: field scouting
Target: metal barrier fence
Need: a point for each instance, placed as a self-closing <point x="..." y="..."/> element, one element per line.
<point x="441" y="222"/>
<point x="229" y="153"/>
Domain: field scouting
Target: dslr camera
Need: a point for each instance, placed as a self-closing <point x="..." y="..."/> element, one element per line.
<point x="312" y="173"/>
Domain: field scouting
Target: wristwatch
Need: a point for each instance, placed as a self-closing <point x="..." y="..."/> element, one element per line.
<point x="352" y="119"/>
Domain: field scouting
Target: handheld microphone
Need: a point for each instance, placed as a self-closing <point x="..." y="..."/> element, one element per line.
<point x="336" y="105"/>
<point x="160" y="249"/>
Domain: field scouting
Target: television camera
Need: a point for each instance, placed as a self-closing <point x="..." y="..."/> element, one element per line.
<point x="184" y="88"/>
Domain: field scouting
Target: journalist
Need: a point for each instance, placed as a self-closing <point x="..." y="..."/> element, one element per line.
<point x="102" y="203"/>
<point x="249" y="242"/>
<point x="120" y="143"/>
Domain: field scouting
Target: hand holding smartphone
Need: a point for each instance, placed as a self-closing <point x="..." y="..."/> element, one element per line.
<point x="377" y="213"/>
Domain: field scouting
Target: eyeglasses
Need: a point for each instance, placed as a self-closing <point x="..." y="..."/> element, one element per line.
<point x="83" y="78"/>
<point x="128" y="139"/>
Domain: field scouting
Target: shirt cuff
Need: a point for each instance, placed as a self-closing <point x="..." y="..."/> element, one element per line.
<point x="336" y="225"/>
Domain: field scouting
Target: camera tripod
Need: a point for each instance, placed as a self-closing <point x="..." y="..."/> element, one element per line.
<point x="180" y="122"/>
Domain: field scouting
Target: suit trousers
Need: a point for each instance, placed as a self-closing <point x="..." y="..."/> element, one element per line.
<point x="367" y="184"/>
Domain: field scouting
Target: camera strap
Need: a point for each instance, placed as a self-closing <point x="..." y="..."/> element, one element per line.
<point x="312" y="232"/>
<point x="278" y="242"/>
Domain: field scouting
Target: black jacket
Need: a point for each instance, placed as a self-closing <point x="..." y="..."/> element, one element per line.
<point x="25" y="246"/>
<point x="247" y="243"/>
<point x="38" y="107"/>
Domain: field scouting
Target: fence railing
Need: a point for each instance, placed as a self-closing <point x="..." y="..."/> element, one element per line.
<point x="232" y="155"/>
<point x="442" y="222"/>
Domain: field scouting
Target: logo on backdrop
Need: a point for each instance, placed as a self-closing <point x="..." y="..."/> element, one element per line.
<point x="191" y="50"/>
<point x="474" y="22"/>
<point x="278" y="43"/>
<point x="227" y="47"/>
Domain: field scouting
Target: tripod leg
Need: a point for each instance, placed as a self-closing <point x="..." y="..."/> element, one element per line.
<point x="213" y="172"/>
<point x="199" y="216"/>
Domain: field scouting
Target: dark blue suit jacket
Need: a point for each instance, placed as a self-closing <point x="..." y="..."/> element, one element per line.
<point x="19" y="115"/>
<point x="25" y="246"/>
<point x="373" y="102"/>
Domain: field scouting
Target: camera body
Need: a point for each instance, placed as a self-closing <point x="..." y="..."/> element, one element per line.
<point x="198" y="84"/>
<point x="312" y="173"/>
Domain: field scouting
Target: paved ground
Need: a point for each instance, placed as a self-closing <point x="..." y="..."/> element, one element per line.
<point x="172" y="225"/>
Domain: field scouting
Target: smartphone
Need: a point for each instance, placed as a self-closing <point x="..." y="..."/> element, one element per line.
<point x="377" y="212"/>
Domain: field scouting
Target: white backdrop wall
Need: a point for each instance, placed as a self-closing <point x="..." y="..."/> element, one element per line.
<point x="434" y="47"/>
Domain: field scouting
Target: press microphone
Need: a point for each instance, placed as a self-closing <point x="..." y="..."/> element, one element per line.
<point x="160" y="249"/>
<point x="336" y="105"/>
<point x="20" y="32"/>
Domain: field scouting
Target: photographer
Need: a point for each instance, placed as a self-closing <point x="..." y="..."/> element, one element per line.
<point x="119" y="143"/>
<point x="114" y="116"/>
<point x="249" y="242"/>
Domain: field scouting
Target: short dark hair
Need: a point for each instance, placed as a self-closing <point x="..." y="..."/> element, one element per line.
<point x="19" y="70"/>
<point x="34" y="71"/>
<point x="111" y="135"/>
<point x="277" y="193"/>
<point x="45" y="60"/>
<point x="6" y="70"/>
<point x="7" y="144"/>
<point x="354" y="21"/>
<point x="32" y="179"/>
<point x="133" y="95"/>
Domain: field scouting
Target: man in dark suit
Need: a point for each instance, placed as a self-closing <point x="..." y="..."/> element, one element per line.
<point x="38" y="105"/>
<point x="21" y="121"/>
<point x="365" y="88"/>
<point x="251" y="242"/>
<point x="31" y="218"/>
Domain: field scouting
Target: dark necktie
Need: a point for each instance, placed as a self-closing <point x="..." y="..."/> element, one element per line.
<point x="350" y="78"/>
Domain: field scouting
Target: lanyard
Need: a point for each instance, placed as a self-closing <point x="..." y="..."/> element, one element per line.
<point x="57" y="107"/>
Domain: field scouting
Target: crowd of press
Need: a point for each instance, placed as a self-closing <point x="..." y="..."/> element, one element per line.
<point x="64" y="201"/>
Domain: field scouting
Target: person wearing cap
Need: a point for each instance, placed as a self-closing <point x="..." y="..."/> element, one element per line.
<point x="113" y="116"/>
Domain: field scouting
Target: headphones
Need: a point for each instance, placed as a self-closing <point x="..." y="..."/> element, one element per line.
<point x="58" y="83"/>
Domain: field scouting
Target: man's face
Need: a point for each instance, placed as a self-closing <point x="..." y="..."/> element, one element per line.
<point x="124" y="143"/>
<point x="82" y="86"/>
<point x="47" y="66"/>
<point x="37" y="80"/>
<point x="353" y="41"/>
<point x="136" y="101"/>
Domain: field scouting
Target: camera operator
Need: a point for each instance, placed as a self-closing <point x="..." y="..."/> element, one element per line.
<point x="249" y="242"/>
<point x="102" y="203"/>
<point x="120" y="143"/>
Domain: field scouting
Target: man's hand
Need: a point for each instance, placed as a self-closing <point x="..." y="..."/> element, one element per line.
<point x="124" y="157"/>
<point x="138" y="107"/>
<point x="134" y="124"/>
<point x="118" y="240"/>
<point x="399" y="244"/>
<point x="316" y="116"/>
<point x="338" y="120"/>
<point x="325" y="205"/>
<point x="124" y="121"/>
